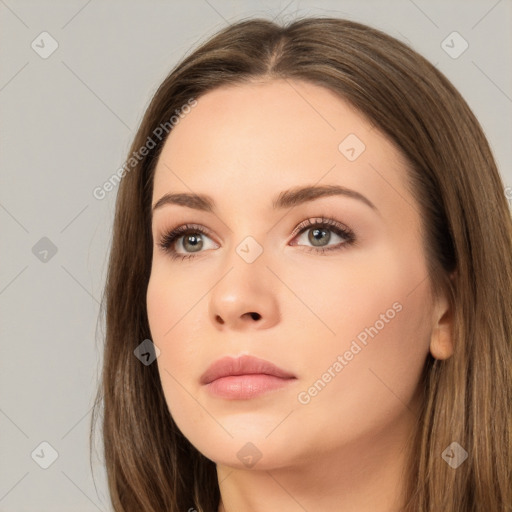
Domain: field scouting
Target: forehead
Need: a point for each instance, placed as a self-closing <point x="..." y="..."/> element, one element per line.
<point x="247" y="141"/>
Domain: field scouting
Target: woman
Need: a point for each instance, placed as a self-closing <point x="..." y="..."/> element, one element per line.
<point x="255" y="363"/>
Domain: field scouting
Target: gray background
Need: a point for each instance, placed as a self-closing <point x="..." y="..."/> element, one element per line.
<point x="66" y="125"/>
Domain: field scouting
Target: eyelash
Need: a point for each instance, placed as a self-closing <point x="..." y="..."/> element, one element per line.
<point x="167" y="241"/>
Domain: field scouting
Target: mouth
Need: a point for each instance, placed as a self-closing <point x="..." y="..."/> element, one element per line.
<point x="244" y="377"/>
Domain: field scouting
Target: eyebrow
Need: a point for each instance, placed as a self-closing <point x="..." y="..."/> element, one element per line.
<point x="286" y="199"/>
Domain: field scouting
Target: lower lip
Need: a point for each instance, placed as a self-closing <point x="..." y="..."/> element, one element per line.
<point x="243" y="387"/>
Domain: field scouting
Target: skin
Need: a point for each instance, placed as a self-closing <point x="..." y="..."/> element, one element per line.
<point x="346" y="448"/>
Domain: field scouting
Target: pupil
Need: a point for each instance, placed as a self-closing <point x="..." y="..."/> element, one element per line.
<point x="196" y="242"/>
<point x="319" y="232"/>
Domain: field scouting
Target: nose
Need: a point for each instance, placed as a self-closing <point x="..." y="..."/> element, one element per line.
<point x="245" y="298"/>
<point x="254" y="316"/>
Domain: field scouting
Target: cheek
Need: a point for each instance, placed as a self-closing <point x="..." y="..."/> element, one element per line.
<point x="171" y="303"/>
<point x="166" y="311"/>
<point x="171" y="296"/>
<point x="378" y="308"/>
<point x="166" y="315"/>
<point x="176" y="311"/>
<point x="339" y="297"/>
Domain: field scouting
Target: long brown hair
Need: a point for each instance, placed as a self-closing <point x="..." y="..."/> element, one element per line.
<point x="467" y="229"/>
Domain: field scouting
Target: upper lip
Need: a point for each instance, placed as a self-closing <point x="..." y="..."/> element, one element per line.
<point x="243" y="365"/>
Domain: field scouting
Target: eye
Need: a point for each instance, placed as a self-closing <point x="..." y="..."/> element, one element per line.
<point x="191" y="237"/>
<point x="318" y="234"/>
<point x="191" y="241"/>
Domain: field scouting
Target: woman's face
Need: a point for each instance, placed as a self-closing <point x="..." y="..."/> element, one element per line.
<point x="352" y="325"/>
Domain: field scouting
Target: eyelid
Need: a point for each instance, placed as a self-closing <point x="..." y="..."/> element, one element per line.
<point x="320" y="220"/>
<point x="181" y="230"/>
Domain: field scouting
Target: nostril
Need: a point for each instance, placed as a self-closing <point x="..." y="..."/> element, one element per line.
<point x="255" y="316"/>
<point x="219" y="319"/>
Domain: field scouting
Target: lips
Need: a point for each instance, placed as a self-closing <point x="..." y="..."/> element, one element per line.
<point x="244" y="365"/>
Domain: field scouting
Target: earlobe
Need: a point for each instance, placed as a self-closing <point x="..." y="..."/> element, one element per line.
<point x="441" y="346"/>
<point x="441" y="339"/>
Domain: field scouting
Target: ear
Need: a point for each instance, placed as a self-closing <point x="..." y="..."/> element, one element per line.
<point x="441" y="339"/>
